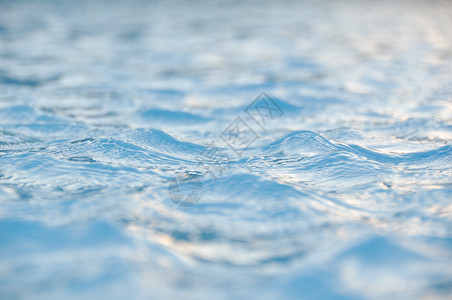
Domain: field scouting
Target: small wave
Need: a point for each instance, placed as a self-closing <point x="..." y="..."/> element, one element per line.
<point x="308" y="143"/>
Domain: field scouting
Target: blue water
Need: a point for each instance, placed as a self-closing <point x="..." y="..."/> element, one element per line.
<point x="339" y="188"/>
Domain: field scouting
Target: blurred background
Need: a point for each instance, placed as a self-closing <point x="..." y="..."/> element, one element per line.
<point x="345" y="196"/>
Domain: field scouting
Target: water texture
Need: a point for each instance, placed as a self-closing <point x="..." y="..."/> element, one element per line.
<point x="344" y="192"/>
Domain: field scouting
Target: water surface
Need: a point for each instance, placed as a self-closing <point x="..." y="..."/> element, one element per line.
<point x="343" y="194"/>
